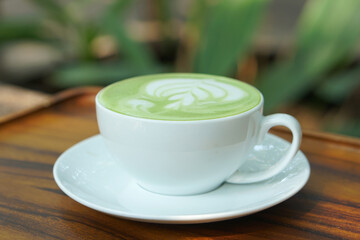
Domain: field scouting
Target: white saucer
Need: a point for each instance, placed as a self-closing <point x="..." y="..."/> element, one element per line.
<point x="88" y="174"/>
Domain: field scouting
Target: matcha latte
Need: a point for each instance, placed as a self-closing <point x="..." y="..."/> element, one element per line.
<point x="179" y="97"/>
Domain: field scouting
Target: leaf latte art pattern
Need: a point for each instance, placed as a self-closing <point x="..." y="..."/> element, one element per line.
<point x="180" y="98"/>
<point x="186" y="94"/>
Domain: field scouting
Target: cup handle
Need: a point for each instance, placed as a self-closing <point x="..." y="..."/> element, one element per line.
<point x="268" y="122"/>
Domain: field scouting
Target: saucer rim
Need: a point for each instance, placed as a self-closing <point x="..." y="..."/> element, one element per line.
<point x="176" y="219"/>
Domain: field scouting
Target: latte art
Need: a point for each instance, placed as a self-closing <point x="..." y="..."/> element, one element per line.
<point x="174" y="97"/>
<point x="186" y="94"/>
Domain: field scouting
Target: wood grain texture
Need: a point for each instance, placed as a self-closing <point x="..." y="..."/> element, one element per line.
<point x="33" y="207"/>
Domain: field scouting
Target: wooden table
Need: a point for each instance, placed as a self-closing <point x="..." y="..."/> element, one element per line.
<point x="33" y="207"/>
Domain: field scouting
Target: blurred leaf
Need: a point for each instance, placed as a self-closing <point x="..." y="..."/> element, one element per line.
<point x="19" y="29"/>
<point x="327" y="33"/>
<point x="92" y="74"/>
<point x="54" y="10"/>
<point x="340" y="86"/>
<point x="190" y="36"/>
<point x="137" y="54"/>
<point x="163" y="7"/>
<point x="87" y="34"/>
<point x="197" y="15"/>
<point x="227" y="34"/>
<point x="83" y="74"/>
<point x="164" y="15"/>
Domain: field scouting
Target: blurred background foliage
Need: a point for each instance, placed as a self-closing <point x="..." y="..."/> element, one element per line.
<point x="315" y="75"/>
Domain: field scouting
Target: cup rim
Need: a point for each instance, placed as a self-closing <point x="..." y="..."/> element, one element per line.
<point x="255" y="108"/>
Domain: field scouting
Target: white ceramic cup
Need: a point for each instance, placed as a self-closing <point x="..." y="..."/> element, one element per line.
<point x="191" y="157"/>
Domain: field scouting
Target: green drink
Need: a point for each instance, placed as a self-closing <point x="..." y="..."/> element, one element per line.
<point x="180" y="97"/>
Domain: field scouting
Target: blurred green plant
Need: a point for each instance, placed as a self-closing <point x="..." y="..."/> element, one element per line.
<point x="327" y="35"/>
<point x="217" y="36"/>
<point x="12" y="30"/>
<point x="226" y="34"/>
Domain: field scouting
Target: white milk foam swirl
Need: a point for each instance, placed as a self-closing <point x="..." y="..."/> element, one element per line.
<point x="182" y="94"/>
